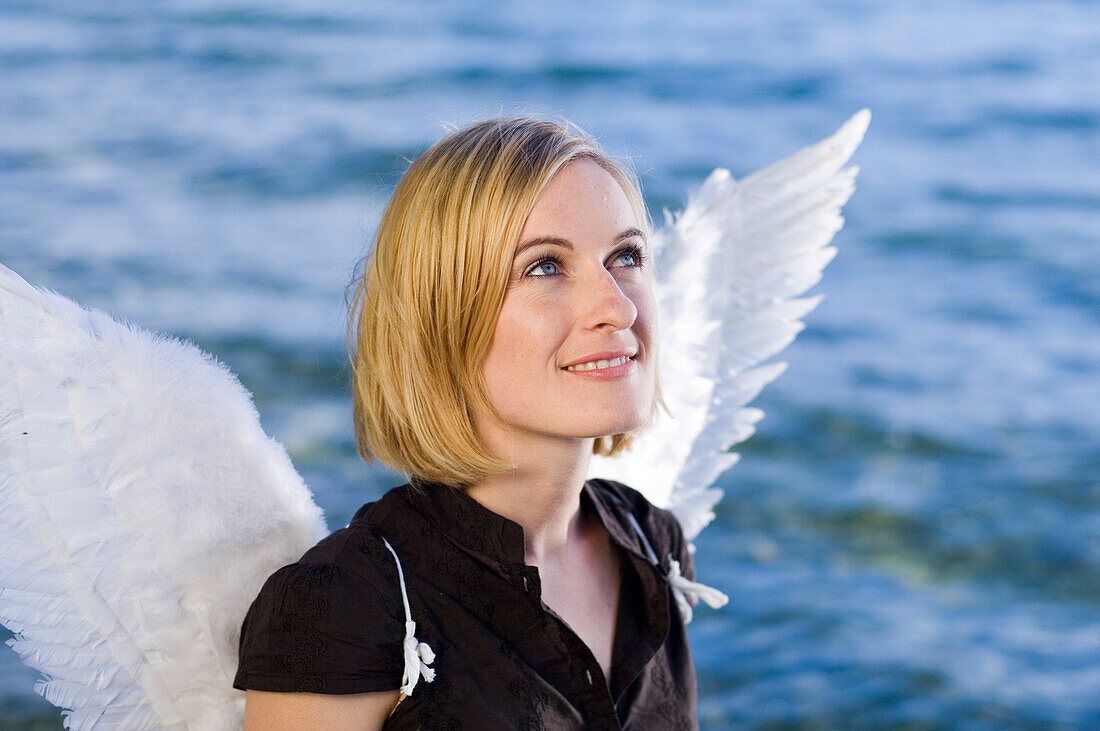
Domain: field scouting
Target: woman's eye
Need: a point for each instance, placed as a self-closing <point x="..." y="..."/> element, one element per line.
<point x="631" y="257"/>
<point x="543" y="268"/>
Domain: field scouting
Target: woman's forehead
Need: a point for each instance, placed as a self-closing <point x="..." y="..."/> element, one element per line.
<point x="582" y="198"/>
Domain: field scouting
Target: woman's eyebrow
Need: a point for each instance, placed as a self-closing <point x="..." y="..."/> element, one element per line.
<point x="565" y="243"/>
<point x="554" y="240"/>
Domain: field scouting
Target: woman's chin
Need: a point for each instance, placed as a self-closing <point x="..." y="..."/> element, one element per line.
<point x="618" y="425"/>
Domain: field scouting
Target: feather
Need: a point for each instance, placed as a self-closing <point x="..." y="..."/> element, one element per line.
<point x="730" y="271"/>
<point x="141" y="508"/>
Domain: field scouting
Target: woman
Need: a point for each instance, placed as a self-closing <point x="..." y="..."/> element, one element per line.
<point x="506" y="331"/>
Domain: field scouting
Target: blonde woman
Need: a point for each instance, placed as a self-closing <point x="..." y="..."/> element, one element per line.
<point x="505" y="336"/>
<point x="506" y="330"/>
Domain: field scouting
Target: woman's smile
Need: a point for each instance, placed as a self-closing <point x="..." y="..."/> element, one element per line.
<point x="604" y="366"/>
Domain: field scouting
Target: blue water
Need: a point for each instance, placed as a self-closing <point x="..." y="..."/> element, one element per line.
<point x="913" y="535"/>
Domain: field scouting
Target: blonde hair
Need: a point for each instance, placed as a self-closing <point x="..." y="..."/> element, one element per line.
<point x="426" y="306"/>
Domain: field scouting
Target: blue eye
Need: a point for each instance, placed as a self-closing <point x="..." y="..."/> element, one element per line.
<point x="631" y="257"/>
<point x="547" y="267"/>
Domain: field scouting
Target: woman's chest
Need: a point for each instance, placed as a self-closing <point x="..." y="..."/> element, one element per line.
<point x="584" y="594"/>
<point x="503" y="659"/>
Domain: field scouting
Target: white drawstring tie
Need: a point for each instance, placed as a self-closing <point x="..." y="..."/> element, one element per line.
<point x="682" y="588"/>
<point x="418" y="656"/>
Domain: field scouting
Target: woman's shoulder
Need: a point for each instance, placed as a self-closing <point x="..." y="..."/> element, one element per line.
<point x="346" y="560"/>
<point x="660" y="526"/>
<point x="332" y="621"/>
<point x="626" y="500"/>
<point x="353" y="554"/>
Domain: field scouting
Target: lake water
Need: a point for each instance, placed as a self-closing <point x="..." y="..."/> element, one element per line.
<point x="913" y="535"/>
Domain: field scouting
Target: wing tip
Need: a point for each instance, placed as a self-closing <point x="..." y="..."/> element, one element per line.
<point x="856" y="127"/>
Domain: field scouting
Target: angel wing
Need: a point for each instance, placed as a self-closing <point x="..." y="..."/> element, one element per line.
<point x="141" y="507"/>
<point x="731" y="268"/>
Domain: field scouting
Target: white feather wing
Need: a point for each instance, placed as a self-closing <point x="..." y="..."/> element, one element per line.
<point x="141" y="509"/>
<point x="730" y="271"/>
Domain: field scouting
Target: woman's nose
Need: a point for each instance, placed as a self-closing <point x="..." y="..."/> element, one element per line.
<point x="604" y="303"/>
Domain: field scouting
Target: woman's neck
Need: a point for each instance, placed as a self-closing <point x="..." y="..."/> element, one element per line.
<point x="541" y="494"/>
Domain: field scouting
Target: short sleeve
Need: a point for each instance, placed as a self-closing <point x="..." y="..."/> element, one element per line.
<point x="325" y="627"/>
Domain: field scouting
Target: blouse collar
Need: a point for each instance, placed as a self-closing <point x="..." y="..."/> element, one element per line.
<point x="497" y="539"/>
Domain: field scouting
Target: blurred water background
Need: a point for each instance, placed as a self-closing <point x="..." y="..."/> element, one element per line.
<point x="913" y="536"/>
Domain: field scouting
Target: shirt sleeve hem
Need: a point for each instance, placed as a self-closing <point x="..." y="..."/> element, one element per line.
<point x="324" y="686"/>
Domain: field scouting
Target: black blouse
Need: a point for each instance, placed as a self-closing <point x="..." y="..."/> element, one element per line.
<point x="334" y="621"/>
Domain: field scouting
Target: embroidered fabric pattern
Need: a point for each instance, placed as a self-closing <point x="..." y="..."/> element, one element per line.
<point x="301" y="622"/>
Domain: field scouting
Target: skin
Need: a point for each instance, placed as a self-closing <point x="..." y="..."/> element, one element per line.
<point x="265" y="711"/>
<point x="595" y="296"/>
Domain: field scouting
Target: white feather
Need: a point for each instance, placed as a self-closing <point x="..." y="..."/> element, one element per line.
<point x="730" y="270"/>
<point x="141" y="508"/>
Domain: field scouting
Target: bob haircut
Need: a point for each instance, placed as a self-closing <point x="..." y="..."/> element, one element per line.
<point x="425" y="309"/>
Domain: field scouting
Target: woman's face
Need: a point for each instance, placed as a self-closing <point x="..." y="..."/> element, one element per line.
<point x="574" y="350"/>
